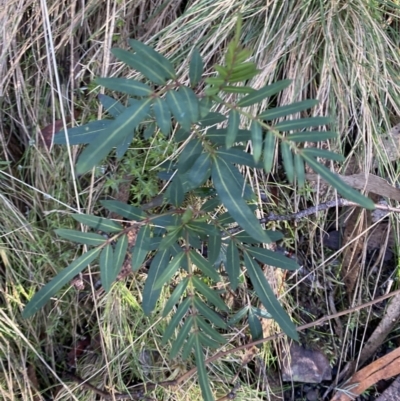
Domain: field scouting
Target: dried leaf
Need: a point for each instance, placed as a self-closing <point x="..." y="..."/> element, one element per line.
<point x="382" y="369"/>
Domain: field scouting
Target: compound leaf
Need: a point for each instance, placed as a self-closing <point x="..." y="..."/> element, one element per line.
<point x="323" y="153"/>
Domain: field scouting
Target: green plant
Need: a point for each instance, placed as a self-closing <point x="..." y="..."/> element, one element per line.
<point x="206" y="169"/>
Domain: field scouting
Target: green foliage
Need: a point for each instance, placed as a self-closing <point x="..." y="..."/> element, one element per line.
<point x="206" y="170"/>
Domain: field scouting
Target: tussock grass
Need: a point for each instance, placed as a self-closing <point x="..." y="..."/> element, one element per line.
<point x="343" y="53"/>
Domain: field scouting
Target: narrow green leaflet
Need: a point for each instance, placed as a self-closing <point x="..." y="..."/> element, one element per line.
<point x="125" y="85"/>
<point x="299" y="170"/>
<point x="176" y="103"/>
<point x="345" y="190"/>
<point x="213" y="247"/>
<point x="268" y="299"/>
<point x="149" y="130"/>
<point x="256" y="140"/>
<point x="255" y="326"/>
<point x="111" y="106"/>
<point x="231" y="196"/>
<point x="209" y="294"/>
<point x="325" y="154"/>
<point x="272" y="258"/>
<point x="204" y="265"/>
<point x="195" y="68"/>
<point x="207" y="341"/>
<point x="282" y="111"/>
<point x="122" y="126"/>
<point x="176" y="194"/>
<point x="238" y="89"/>
<point x="140" y="249"/>
<point x="191" y="103"/>
<point x="287" y="158"/>
<point x="162" y="115"/>
<point x="238" y="156"/>
<point x="107" y="267"/>
<point x="172" y="236"/>
<point x="312" y="136"/>
<point x="176" y="295"/>
<point x="81" y="237"/>
<point x="151" y="293"/>
<point x="98" y="223"/>
<point x="201" y="369"/>
<point x="205" y="106"/>
<point x="153" y="59"/>
<point x="84" y="134"/>
<point x="136" y="62"/>
<point x="183" y="333"/>
<point x="212" y="118"/>
<point x="233" y="265"/>
<point x="130" y="212"/>
<point x="120" y="250"/>
<point x="208" y="313"/>
<point x="207" y="329"/>
<point x="263" y="93"/>
<point x="301" y="123"/>
<point x="176" y="319"/>
<point x="200" y="171"/>
<point x="187" y="347"/>
<point x="211" y="204"/>
<point x="269" y="151"/>
<point x="189" y="155"/>
<point x="43" y="296"/>
<point x="233" y="128"/>
<point x="123" y="146"/>
<point x="170" y="270"/>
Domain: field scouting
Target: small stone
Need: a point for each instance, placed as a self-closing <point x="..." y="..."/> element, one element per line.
<point x="305" y="365"/>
